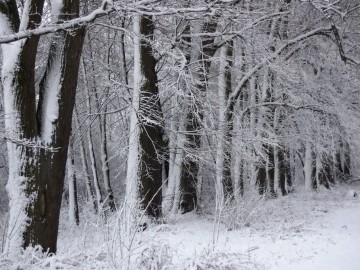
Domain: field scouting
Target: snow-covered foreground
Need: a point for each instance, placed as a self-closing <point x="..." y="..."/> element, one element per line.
<point x="300" y="231"/>
<point x="327" y="238"/>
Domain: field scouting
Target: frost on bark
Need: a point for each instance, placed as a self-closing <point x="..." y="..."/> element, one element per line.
<point x="270" y="118"/>
<point x="283" y="180"/>
<point x="171" y="200"/>
<point x="343" y="161"/>
<point x="271" y="171"/>
<point x="101" y="118"/>
<point x="151" y="130"/>
<point x="89" y="188"/>
<point x="38" y="138"/>
<point x="326" y="174"/>
<point x="261" y="179"/>
<point x="223" y="155"/>
<point x="104" y="155"/>
<point x="144" y="176"/>
<point x="105" y="164"/>
<point x="284" y="170"/>
<point x="98" y="194"/>
<point x="239" y="174"/>
<point x="309" y="168"/>
<point x="266" y="169"/>
<point x="190" y="164"/>
<point x="176" y="143"/>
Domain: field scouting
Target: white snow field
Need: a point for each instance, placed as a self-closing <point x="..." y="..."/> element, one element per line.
<point x="300" y="231"/>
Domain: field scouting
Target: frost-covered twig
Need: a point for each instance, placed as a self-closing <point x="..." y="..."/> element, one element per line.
<point x="52" y="28"/>
<point x="32" y="144"/>
<point x="107" y="7"/>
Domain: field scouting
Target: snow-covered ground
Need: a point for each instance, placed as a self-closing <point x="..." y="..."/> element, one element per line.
<point x="300" y="231"/>
<point x="320" y="231"/>
<point x="328" y="238"/>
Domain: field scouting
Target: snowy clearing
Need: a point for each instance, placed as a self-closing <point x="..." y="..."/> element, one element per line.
<point x="300" y="231"/>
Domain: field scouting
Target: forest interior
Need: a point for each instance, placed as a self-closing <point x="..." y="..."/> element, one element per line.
<point x="190" y="134"/>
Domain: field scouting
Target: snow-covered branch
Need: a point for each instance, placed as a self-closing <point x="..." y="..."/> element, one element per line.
<point x="52" y="28"/>
<point x="275" y="55"/>
<point x="142" y="7"/>
<point x="31" y="144"/>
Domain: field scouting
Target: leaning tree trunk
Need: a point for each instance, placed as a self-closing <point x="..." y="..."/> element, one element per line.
<point x="67" y="46"/>
<point x="38" y="141"/>
<point x="21" y="125"/>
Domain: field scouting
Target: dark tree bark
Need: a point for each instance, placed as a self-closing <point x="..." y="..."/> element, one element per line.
<point x="313" y="171"/>
<point x="284" y="170"/>
<point x="73" y="194"/>
<point x="42" y="168"/>
<point x="261" y="179"/>
<point x="151" y="130"/>
<point x="271" y="171"/>
<point x="53" y="163"/>
<point x="347" y="160"/>
<point x="289" y="171"/>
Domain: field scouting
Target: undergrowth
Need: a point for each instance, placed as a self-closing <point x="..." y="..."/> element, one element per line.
<point x="117" y="241"/>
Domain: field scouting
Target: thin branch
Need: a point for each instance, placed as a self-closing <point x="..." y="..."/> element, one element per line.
<point x="233" y="97"/>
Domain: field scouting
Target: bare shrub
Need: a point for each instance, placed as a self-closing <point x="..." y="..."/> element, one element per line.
<point x="210" y="260"/>
<point x="155" y="257"/>
<point x="244" y="212"/>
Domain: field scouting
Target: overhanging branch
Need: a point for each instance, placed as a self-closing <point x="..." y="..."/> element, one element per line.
<point x="55" y="27"/>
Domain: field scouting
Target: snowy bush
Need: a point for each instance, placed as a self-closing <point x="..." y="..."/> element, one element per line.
<point x="155" y="257"/>
<point x="244" y="212"/>
<point x="210" y="260"/>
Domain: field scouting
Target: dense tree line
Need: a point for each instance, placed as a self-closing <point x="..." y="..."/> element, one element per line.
<point x="160" y="104"/>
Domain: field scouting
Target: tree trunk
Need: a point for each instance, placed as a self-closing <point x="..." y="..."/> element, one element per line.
<point x="89" y="188"/>
<point x="190" y="165"/>
<point x="144" y="178"/>
<point x="238" y="177"/>
<point x="173" y="193"/>
<point x="308" y="167"/>
<point x="21" y="125"/>
<point x="223" y="153"/>
<point x="104" y="154"/>
<point x="38" y="141"/>
<point x="73" y="198"/>
<point x="284" y="170"/>
<point x="99" y="199"/>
